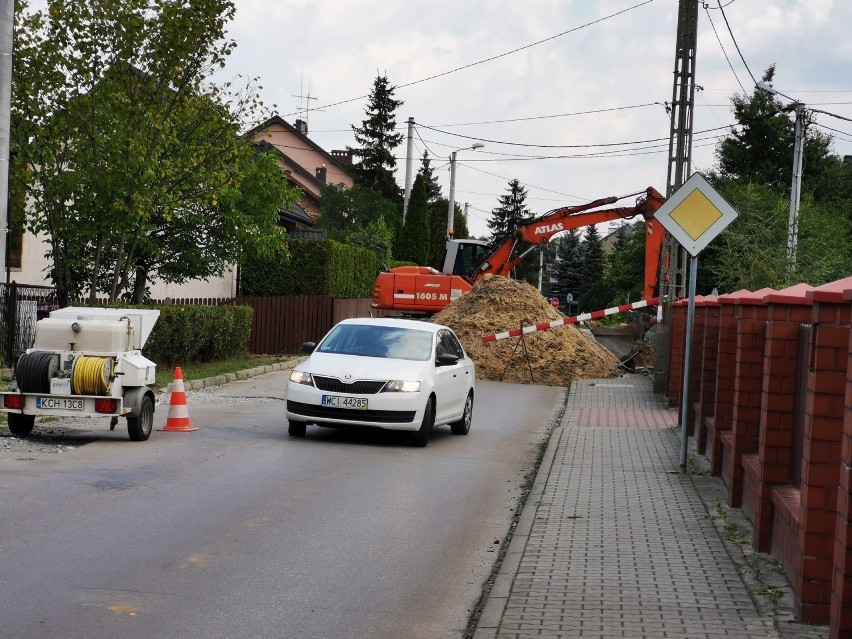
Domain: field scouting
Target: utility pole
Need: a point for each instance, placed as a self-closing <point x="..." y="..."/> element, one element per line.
<point x="7" y="20"/>
<point x="673" y="258"/>
<point x="409" y="158"/>
<point x="452" y="203"/>
<point x="796" y="186"/>
<point x="795" y="191"/>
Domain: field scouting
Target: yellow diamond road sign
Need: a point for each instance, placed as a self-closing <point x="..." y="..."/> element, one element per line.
<point x="695" y="214"/>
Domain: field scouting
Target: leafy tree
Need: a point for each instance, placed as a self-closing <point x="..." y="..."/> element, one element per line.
<point x="128" y="154"/>
<point x="626" y="264"/>
<point x="594" y="294"/>
<point x="754" y="173"/>
<point x="378" y="237"/>
<point x="751" y="253"/>
<point x="346" y="210"/>
<point x="377" y="138"/>
<point x="414" y="237"/>
<point x="760" y="150"/>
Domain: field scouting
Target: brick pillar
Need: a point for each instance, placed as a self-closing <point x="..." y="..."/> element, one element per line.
<point x="840" y="624"/>
<point x="676" y="351"/>
<point x="707" y="392"/>
<point x="821" y="445"/>
<point x="696" y="365"/>
<point x="719" y="424"/>
<point x="748" y="383"/>
<point x="787" y="309"/>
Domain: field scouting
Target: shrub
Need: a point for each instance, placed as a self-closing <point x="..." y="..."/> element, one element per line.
<point x="315" y="267"/>
<point x="199" y="334"/>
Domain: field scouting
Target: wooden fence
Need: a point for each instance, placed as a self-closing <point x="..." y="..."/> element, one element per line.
<point x="279" y="325"/>
<point x="283" y="324"/>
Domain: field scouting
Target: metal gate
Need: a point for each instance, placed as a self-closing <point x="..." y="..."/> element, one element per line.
<point x="21" y="307"/>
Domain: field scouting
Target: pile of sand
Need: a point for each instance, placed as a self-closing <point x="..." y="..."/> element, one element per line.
<point x="555" y="357"/>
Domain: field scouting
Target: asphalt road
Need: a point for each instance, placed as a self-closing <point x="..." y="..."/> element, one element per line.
<point x="237" y="530"/>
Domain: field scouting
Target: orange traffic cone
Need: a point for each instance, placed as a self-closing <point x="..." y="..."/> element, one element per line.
<point x="178" y="419"/>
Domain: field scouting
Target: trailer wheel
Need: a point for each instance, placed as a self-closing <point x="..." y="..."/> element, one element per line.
<point x="21" y="425"/>
<point x="139" y="428"/>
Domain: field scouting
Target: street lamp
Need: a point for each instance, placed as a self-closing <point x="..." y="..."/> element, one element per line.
<point x="451" y="210"/>
<point x="795" y="189"/>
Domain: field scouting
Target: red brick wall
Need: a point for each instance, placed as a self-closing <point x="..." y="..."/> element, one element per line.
<point x="723" y="406"/>
<point x="822" y="447"/>
<point x="748" y="383"/>
<point x="707" y="392"/>
<point x="676" y="353"/>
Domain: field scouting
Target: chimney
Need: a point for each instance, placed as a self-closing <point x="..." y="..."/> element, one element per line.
<point x="344" y="157"/>
<point x="321" y="173"/>
<point x="302" y="127"/>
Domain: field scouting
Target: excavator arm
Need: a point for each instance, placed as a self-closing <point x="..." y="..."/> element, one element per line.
<point x="511" y="251"/>
<point x="420" y="289"/>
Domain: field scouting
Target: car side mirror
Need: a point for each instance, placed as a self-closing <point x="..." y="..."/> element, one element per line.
<point x="446" y="359"/>
<point x="308" y="347"/>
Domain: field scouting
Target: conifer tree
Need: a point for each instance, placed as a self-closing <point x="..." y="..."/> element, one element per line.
<point x="567" y="272"/>
<point x="511" y="212"/>
<point x="433" y="188"/>
<point x="593" y="290"/>
<point x="414" y="236"/>
<point x="377" y="137"/>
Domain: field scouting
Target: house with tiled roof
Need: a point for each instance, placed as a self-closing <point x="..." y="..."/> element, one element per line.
<point x="306" y="165"/>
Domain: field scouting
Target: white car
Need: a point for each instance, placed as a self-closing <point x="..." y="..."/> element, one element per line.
<point x="386" y="373"/>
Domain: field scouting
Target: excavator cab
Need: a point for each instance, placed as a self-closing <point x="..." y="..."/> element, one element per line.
<point x="464" y="256"/>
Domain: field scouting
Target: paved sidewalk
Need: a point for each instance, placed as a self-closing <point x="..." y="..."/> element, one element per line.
<point x="615" y="541"/>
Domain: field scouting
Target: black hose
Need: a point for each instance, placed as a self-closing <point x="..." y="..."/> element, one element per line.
<point x="33" y="372"/>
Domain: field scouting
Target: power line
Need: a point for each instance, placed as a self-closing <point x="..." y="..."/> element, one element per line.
<point x="557" y="115"/>
<point x="557" y="146"/>
<point x="495" y="57"/>
<point x="721" y="46"/>
<point x="728" y="24"/>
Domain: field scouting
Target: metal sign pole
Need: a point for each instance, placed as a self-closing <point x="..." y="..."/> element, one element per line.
<point x="690" y="318"/>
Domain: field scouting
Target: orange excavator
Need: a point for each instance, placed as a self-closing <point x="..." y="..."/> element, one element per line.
<point x="422" y="289"/>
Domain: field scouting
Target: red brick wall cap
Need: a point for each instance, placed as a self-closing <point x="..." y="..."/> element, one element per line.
<point x="706" y="300"/>
<point x="796" y="294"/>
<point x="831" y="292"/>
<point x="752" y="299"/>
<point x="731" y="298"/>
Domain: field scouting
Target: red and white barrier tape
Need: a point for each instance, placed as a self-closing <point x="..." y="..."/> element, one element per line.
<point x="543" y="326"/>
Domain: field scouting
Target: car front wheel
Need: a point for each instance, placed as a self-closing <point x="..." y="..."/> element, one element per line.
<point x="421" y="437"/>
<point x="462" y="427"/>
<point x="296" y="429"/>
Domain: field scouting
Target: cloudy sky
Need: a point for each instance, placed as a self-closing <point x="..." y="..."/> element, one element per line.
<point x="568" y="96"/>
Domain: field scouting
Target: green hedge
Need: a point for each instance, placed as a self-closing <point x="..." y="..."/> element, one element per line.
<point x="314" y="267"/>
<point x="185" y="334"/>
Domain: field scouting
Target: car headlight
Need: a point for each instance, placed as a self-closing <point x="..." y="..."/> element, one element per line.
<point x="301" y="377"/>
<point x="402" y="386"/>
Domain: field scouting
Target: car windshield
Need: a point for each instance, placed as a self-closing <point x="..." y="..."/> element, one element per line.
<point x="390" y="342"/>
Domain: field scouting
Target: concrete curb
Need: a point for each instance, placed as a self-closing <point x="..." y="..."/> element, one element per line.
<point x="492" y="613"/>
<point x="221" y="380"/>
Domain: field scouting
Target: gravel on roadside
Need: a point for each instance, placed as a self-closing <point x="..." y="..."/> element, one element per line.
<point x="56" y="436"/>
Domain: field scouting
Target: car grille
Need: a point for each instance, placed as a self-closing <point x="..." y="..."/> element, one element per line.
<point x="359" y="387"/>
<point x="346" y="414"/>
